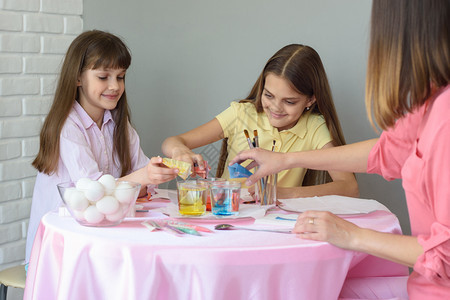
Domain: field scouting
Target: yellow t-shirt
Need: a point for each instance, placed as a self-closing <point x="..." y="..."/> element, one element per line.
<point x="309" y="133"/>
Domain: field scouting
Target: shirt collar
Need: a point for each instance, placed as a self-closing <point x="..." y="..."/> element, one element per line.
<point x="86" y="120"/>
<point x="299" y="129"/>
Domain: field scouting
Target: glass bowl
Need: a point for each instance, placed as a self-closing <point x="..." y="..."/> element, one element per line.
<point x="92" y="203"/>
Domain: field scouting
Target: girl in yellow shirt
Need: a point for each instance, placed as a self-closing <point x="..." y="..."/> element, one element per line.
<point x="290" y="104"/>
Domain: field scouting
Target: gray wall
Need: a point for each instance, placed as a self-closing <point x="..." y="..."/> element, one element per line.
<point x="192" y="58"/>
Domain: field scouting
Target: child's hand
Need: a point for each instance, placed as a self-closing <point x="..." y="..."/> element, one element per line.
<point x="196" y="161"/>
<point x="158" y="173"/>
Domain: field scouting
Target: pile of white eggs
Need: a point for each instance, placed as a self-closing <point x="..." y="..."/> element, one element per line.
<point x="95" y="201"/>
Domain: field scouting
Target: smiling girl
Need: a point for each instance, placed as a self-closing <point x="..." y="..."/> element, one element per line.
<point x="290" y="104"/>
<point x="87" y="132"/>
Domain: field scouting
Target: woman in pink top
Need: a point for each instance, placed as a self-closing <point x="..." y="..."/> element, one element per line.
<point x="87" y="132"/>
<point x="408" y="95"/>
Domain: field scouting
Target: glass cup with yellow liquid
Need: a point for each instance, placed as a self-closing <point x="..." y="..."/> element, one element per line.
<point x="192" y="196"/>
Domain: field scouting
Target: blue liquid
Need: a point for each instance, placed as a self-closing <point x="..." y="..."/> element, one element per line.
<point x="225" y="201"/>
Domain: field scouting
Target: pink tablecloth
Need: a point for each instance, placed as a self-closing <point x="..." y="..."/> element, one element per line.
<point x="128" y="261"/>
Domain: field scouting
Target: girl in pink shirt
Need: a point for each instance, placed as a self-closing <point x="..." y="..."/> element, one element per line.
<point x="408" y="95"/>
<point x="87" y="132"/>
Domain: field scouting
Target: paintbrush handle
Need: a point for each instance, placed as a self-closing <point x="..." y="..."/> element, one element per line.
<point x="250" y="144"/>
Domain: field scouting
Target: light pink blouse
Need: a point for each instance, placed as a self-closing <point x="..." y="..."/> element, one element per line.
<point x="417" y="150"/>
<point x="85" y="151"/>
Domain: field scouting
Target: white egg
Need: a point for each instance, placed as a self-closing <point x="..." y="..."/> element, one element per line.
<point x="115" y="216"/>
<point x="109" y="183"/>
<point x="68" y="193"/>
<point x="92" y="215"/>
<point x="78" y="201"/>
<point x="94" y="191"/>
<point x="125" y="193"/>
<point x="78" y="214"/>
<point x="107" y="205"/>
<point x="192" y="197"/>
<point x="82" y="183"/>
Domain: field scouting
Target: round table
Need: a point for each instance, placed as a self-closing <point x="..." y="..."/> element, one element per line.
<point x="70" y="261"/>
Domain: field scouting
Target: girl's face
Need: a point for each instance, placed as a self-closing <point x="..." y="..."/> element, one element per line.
<point x="100" y="89"/>
<point x="282" y="104"/>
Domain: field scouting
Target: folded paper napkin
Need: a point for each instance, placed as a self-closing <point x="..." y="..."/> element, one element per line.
<point x="338" y="205"/>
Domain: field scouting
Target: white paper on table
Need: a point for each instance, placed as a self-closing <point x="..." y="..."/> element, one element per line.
<point x="338" y="205"/>
<point x="166" y="194"/>
<point x="245" y="211"/>
<point x="276" y="219"/>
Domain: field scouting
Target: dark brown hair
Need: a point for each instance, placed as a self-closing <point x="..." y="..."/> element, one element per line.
<point x="90" y="50"/>
<point x="408" y="57"/>
<point x="302" y="67"/>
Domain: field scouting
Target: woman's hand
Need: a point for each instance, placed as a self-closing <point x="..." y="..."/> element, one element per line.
<point x="327" y="227"/>
<point x="251" y="191"/>
<point x="269" y="163"/>
<point x="158" y="173"/>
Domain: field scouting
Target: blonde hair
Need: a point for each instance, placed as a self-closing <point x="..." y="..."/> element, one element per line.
<point x="408" y="57"/>
<point x="90" y="50"/>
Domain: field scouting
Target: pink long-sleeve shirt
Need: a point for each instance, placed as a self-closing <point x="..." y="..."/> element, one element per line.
<point x="85" y="151"/>
<point x="417" y="150"/>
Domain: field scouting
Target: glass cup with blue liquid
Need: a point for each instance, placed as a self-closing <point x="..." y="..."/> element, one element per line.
<point x="225" y="197"/>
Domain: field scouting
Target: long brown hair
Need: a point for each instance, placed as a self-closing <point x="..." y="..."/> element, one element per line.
<point x="90" y="50"/>
<point x="302" y="67"/>
<point x="409" y="56"/>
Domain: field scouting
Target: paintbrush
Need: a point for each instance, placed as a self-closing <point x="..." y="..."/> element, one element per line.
<point x="262" y="185"/>
<point x="273" y="149"/>
<point x="250" y="144"/>
<point x="255" y="133"/>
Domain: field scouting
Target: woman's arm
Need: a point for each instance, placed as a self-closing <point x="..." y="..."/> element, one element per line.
<point x="325" y="226"/>
<point x="344" y="184"/>
<point x="179" y="147"/>
<point x="347" y="158"/>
